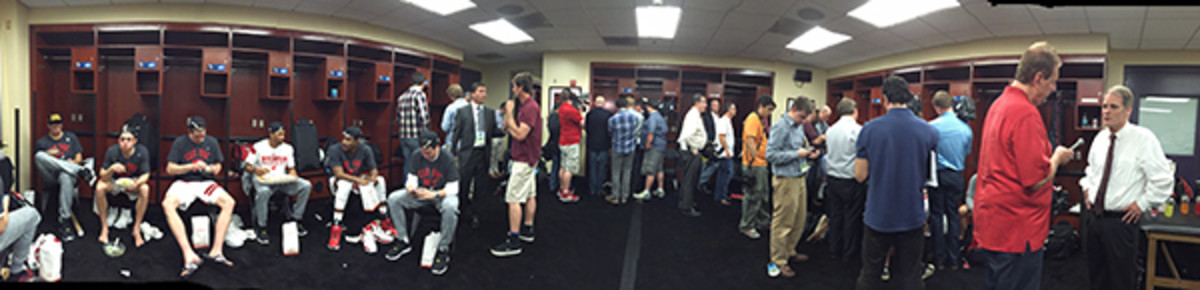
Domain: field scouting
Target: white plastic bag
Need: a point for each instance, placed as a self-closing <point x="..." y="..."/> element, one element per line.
<point x="429" y="248"/>
<point x="200" y="232"/>
<point x="45" y="257"/>
<point x="291" y="239"/>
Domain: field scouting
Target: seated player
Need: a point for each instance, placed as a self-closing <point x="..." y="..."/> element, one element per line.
<point x="126" y="159"/>
<point x="432" y="180"/>
<point x="354" y="167"/>
<point x="274" y="157"/>
<point x="59" y="158"/>
<point x="17" y="230"/>
<point x="195" y="160"/>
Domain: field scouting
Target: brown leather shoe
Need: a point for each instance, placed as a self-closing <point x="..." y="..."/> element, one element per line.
<point x="787" y="272"/>
<point x="799" y="258"/>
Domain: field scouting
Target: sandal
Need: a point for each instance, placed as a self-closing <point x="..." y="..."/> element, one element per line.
<point x="221" y="259"/>
<point x="190" y="268"/>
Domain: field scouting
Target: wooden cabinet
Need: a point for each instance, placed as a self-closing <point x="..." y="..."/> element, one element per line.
<point x="626" y="86"/>
<point x="83" y="70"/>
<point x="1089" y="92"/>
<point x="670" y="88"/>
<point x="148" y="67"/>
<point x="714" y="90"/>
<point x="333" y="71"/>
<point x="214" y="78"/>
<point x="279" y="75"/>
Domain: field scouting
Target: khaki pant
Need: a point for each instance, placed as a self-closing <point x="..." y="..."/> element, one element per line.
<point x="787" y="218"/>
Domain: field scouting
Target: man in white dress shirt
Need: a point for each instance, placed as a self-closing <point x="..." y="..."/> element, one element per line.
<point x="1126" y="172"/>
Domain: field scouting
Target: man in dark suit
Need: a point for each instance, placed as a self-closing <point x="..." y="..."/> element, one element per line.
<point x="475" y="126"/>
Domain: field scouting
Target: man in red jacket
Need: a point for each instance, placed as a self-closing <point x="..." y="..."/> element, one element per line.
<point x="1012" y="202"/>
<point x="571" y="124"/>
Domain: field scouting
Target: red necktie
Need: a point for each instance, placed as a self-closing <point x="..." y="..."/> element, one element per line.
<point x="1098" y="206"/>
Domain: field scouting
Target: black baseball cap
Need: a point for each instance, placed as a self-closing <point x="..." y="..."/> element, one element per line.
<point x="428" y="139"/>
<point x="353" y="131"/>
<point x="274" y="127"/>
<point x="196" y="123"/>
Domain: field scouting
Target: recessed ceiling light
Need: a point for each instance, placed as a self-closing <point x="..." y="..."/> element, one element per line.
<point x="443" y="7"/>
<point x="885" y="13"/>
<point x="658" y="21"/>
<point x="501" y="31"/>
<point x="817" y="39"/>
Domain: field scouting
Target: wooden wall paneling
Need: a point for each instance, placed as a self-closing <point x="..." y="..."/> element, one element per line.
<point x="375" y="120"/>
<point x="182" y="100"/>
<point x="715" y="90"/>
<point x="249" y="113"/>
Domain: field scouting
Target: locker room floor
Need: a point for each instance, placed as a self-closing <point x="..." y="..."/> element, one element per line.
<point x="580" y="246"/>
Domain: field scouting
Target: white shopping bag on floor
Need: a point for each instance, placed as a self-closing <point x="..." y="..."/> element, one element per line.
<point x="200" y="232"/>
<point x="291" y="239"/>
<point x="369" y="196"/>
<point x="429" y="249"/>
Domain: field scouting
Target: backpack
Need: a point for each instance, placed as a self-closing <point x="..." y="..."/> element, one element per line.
<point x="305" y="141"/>
<point x="964" y="107"/>
<point x="147" y="136"/>
<point x="1062" y="241"/>
<point x="239" y="153"/>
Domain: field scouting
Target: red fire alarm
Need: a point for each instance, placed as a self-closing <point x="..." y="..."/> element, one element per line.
<point x="572" y="83"/>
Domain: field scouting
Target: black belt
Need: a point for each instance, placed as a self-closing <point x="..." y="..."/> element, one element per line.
<point x="1110" y="214"/>
<point x="842" y="179"/>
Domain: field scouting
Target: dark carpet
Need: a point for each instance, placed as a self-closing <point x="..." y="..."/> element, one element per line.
<point x="578" y="246"/>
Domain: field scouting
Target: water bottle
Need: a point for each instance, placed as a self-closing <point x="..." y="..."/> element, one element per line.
<point x="1170" y="211"/>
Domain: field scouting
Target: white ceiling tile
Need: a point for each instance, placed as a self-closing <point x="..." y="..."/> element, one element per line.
<point x="379" y="6"/>
<point x="559" y="44"/>
<point x="882" y="38"/>
<point x="1115" y="12"/>
<point x="1170" y="28"/>
<point x="1123" y="42"/>
<point x="471" y="16"/>
<point x="766" y="7"/>
<point x="87" y="2"/>
<point x="43" y="3"/>
<point x="548" y="5"/>
<point x="772" y="39"/>
<point x="628" y="4"/>
<point x="439" y="25"/>
<point x="1071" y="26"/>
<point x="230" y="2"/>
<point x="695" y="32"/>
<point x="849" y="26"/>
<point x="724" y="48"/>
<point x="715" y="5"/>
<point x="133" y="1"/>
<point x="746" y="21"/>
<point x="1163" y="43"/>
<point x="564" y="18"/>
<point x="1014" y="29"/>
<point x="840" y="7"/>
<point x="1057" y="13"/>
<point x="320" y="8"/>
<point x="950" y="19"/>
<point x="277" y="4"/>
<point x="372" y="16"/>
<point x="914" y="29"/>
<point x="999" y="14"/>
<point x="182" y="1"/>
<point x="617" y="29"/>
<point x="735" y="36"/>
<point x="700" y="18"/>
<point x="1117" y="28"/>
<point x="401" y="17"/>
<point x="544" y="33"/>
<point x="968" y="33"/>
<point x="608" y="16"/>
<point x="932" y="41"/>
<point x="1193" y="44"/>
<point x="1173" y="12"/>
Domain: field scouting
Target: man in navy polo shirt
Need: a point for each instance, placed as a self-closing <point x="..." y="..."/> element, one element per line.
<point x="894" y="151"/>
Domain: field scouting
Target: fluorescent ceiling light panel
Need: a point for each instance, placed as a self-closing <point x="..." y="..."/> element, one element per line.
<point x="658" y="21"/>
<point x="443" y="7"/>
<point x="1154" y="110"/>
<point x="817" y="39"/>
<point x="1166" y="100"/>
<point x="501" y="31"/>
<point x="885" y="13"/>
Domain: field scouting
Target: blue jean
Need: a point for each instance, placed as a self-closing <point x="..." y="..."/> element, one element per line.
<point x="707" y="169"/>
<point x="944" y="220"/>
<point x="724" y="176"/>
<point x="597" y="171"/>
<point x="1010" y="271"/>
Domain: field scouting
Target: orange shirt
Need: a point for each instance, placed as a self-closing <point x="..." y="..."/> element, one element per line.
<point x="752" y="130"/>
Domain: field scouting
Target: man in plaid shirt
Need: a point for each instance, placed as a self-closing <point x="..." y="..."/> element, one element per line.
<point x="412" y="114"/>
<point x="622" y="126"/>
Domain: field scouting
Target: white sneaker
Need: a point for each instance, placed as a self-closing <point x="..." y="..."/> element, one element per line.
<point x="380" y="235"/>
<point x="659" y="193"/>
<point x="125" y="219"/>
<point x="752" y="234"/>
<point x="368" y="240"/>
<point x="929" y="269"/>
<point x="642" y="195"/>
<point x="773" y="271"/>
<point x="113" y="214"/>
<point x="90" y="164"/>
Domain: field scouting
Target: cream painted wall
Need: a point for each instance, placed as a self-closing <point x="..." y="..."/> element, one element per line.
<point x="1066" y="44"/>
<point x="497" y="78"/>
<point x="239" y="15"/>
<point x="561" y="67"/>
<point x="1118" y="59"/>
<point x="14" y="82"/>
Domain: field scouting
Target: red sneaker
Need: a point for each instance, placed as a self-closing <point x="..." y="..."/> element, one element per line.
<point x="335" y="237"/>
<point x="388" y="229"/>
<point x="571" y="197"/>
